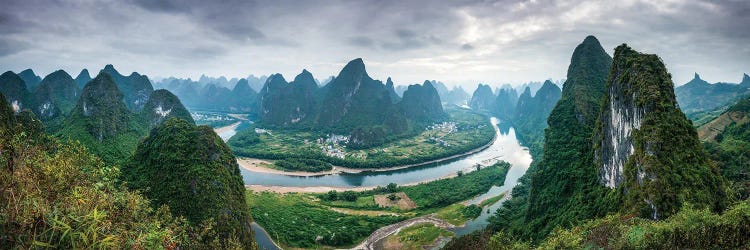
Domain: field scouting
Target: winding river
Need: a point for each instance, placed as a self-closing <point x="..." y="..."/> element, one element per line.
<point x="506" y="147"/>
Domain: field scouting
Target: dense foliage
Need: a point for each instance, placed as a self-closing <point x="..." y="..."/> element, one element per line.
<point x="457" y="189"/>
<point x="55" y="96"/>
<point x="190" y="169"/>
<point x="58" y="195"/>
<point x="301" y="164"/>
<point x="668" y="167"/>
<point x="136" y="88"/>
<point x="296" y="221"/>
<point x="530" y="115"/>
<point x="102" y="122"/>
<point x="161" y="106"/>
<point x="731" y="150"/>
<point x="564" y="188"/>
<point x="688" y="229"/>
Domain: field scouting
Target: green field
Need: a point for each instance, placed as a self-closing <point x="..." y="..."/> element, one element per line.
<point x="466" y="131"/>
<point x="343" y="219"/>
<point x="416" y="237"/>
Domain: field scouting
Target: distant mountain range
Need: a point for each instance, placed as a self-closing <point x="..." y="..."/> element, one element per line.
<point x="698" y="95"/>
<point x="352" y="103"/>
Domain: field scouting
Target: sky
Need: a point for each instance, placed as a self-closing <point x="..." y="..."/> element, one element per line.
<point x="457" y="42"/>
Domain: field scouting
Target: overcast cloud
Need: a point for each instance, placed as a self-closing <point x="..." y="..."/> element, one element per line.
<point x="457" y="42"/>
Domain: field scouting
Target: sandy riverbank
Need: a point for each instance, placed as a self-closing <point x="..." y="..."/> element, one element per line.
<point x="228" y="128"/>
<point x="324" y="189"/>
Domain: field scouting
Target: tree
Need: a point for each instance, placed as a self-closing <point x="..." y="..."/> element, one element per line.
<point x="349" y="196"/>
<point x="392" y="187"/>
<point x="332" y="195"/>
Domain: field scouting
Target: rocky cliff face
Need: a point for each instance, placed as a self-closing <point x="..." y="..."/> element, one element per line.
<point x="162" y="105"/>
<point x="135" y="87"/>
<point x="422" y="103"/>
<point x="56" y="95"/>
<point x="645" y="143"/>
<point x="15" y="91"/>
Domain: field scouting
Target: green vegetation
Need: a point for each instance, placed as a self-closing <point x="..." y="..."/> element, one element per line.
<point x="190" y="169"/>
<point x="669" y="167"/>
<point x="103" y="123"/>
<point x="307" y="165"/>
<point x="472" y="130"/>
<point x="688" y="229"/>
<point x="458" y="214"/>
<point x="731" y="150"/>
<point x="282" y="215"/>
<point x="297" y="220"/>
<point x="561" y="187"/>
<point x="58" y="195"/>
<point x="454" y="190"/>
<point x="417" y="236"/>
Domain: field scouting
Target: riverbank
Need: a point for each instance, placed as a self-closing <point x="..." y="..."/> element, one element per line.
<point x="253" y="164"/>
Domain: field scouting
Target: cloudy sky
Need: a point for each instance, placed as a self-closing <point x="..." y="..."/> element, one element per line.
<point x="457" y="42"/>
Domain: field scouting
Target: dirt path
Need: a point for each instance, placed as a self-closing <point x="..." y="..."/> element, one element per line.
<point x="383" y="232"/>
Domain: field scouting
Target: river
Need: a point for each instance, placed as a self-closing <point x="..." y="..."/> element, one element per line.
<point x="506" y="147"/>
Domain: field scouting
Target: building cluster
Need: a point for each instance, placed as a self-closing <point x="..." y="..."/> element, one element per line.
<point x="333" y="145"/>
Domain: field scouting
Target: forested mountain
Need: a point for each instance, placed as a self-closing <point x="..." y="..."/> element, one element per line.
<point x="55" y="96"/>
<point x="482" y="98"/>
<point x="392" y="91"/>
<point x="643" y="151"/>
<point x="698" y="95"/>
<point x="212" y="96"/>
<point x="15" y="91"/>
<point x="285" y="104"/>
<point x="530" y="115"/>
<point x="504" y="105"/>
<point x="190" y="169"/>
<point x="422" y="103"/>
<point x="563" y="189"/>
<point x="136" y="87"/>
<point x="83" y="78"/>
<point x="161" y="106"/>
<point x="456" y="96"/>
<point x="647" y="149"/>
<point x="30" y="78"/>
<point x="727" y="139"/>
<point x="102" y="122"/>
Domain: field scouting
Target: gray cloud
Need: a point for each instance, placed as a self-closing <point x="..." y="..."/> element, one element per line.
<point x="458" y="42"/>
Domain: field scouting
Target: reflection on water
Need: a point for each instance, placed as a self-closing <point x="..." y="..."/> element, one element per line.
<point x="506" y="147"/>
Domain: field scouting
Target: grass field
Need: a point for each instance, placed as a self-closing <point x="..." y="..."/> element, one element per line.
<point x="336" y="219"/>
<point x="416" y="237"/>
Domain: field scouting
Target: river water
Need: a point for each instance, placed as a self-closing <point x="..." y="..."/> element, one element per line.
<point x="506" y="147"/>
